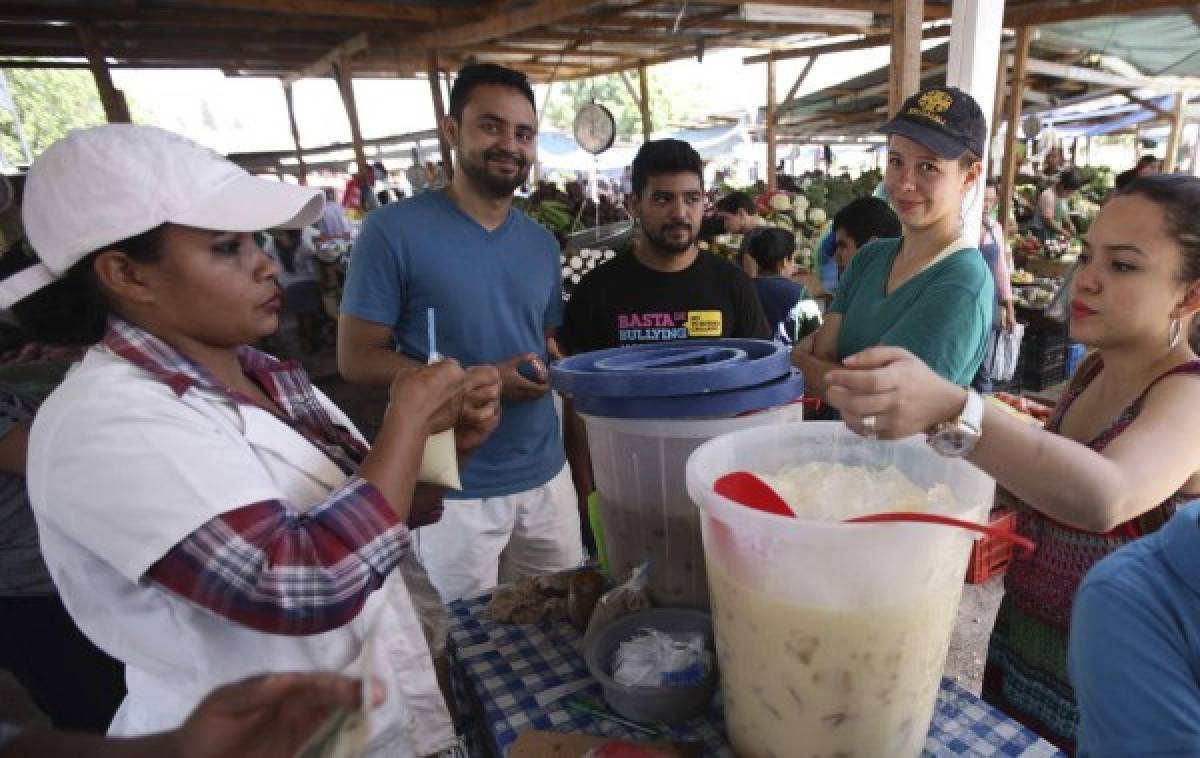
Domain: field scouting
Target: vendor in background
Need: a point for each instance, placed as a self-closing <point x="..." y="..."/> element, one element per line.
<point x="740" y="216"/>
<point x="333" y="223"/>
<point x="67" y="677"/>
<point x="772" y="249"/>
<point x="928" y="291"/>
<point x="1115" y="461"/>
<point x="993" y="244"/>
<point x="299" y="276"/>
<point x="1147" y="165"/>
<point x="860" y="222"/>
<point x="1052" y="216"/>
<point x="205" y="512"/>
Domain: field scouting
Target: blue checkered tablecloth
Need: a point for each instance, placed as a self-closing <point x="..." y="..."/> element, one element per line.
<point x="518" y="676"/>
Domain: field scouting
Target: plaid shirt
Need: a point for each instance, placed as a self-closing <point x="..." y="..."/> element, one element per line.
<point x="265" y="565"/>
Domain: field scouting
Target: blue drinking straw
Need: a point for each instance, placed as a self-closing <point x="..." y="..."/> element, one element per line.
<point x="431" y="325"/>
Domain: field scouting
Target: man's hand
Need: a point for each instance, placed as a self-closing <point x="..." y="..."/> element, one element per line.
<point x="480" y="410"/>
<point x="1008" y="317"/>
<point x="518" y="387"/>
<point x="266" y="716"/>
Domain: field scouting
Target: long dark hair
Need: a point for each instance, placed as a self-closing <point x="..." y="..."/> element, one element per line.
<point x="74" y="310"/>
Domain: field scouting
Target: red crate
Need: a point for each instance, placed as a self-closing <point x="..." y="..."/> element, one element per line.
<point x="990" y="556"/>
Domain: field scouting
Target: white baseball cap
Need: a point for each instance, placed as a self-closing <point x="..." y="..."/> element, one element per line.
<point x="108" y="183"/>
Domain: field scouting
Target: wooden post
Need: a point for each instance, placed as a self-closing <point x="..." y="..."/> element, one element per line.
<point x="116" y="110"/>
<point x="287" y="96"/>
<point x="1001" y="84"/>
<point x="1015" y="99"/>
<point x="904" y="75"/>
<point x="439" y="111"/>
<point x="644" y="103"/>
<point x="772" y="179"/>
<point x="1169" y="160"/>
<point x="343" y="71"/>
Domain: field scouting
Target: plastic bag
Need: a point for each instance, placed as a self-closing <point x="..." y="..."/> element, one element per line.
<point x="1006" y="353"/>
<point x="621" y="600"/>
<point x="656" y="659"/>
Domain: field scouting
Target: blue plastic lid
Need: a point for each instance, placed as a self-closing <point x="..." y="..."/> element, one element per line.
<point x="693" y="378"/>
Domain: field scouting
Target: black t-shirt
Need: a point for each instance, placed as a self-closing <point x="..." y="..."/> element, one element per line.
<point x="779" y="296"/>
<point x="624" y="303"/>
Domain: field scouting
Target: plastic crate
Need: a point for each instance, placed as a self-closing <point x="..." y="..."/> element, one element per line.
<point x="990" y="556"/>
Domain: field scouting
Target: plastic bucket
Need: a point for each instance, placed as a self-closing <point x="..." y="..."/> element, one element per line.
<point x="831" y="637"/>
<point x="639" y="470"/>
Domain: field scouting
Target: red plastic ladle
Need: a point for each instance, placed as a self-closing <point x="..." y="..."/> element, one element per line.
<point x="1024" y="543"/>
<point x="749" y="490"/>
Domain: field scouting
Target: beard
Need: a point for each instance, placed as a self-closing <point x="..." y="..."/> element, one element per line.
<point x="495" y="185"/>
<point x="671" y="245"/>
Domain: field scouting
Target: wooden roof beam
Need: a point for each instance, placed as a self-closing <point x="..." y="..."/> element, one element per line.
<point x="502" y="24"/>
<point x="325" y="64"/>
<point x="874" y="40"/>
<point x="38" y="13"/>
<point x="376" y="10"/>
<point x="879" y="7"/>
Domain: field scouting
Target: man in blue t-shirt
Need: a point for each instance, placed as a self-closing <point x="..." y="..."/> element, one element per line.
<point x="492" y="276"/>
<point x="1134" y="655"/>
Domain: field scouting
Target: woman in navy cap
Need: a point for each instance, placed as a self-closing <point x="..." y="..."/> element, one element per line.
<point x="928" y="291"/>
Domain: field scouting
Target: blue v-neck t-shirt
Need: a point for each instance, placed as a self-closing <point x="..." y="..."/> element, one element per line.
<point x="943" y="315"/>
<point x="495" y="293"/>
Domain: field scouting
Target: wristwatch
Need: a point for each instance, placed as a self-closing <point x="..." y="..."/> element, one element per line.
<point x="958" y="436"/>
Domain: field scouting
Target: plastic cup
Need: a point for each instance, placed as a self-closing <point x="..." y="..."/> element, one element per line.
<point x="831" y="637"/>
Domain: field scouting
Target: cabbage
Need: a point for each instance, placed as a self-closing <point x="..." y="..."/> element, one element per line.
<point x="781" y="202"/>
<point x="816" y="216"/>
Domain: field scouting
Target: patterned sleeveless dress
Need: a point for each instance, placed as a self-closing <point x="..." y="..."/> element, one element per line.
<point x="1026" y="671"/>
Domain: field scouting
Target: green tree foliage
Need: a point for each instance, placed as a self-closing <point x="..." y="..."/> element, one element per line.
<point x="51" y="102"/>
<point x="668" y="104"/>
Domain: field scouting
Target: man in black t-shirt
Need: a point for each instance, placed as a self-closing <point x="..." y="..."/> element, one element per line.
<point x="667" y="289"/>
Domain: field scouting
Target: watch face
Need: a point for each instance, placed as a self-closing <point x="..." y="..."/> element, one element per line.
<point x="595" y="129"/>
<point x="954" y="440"/>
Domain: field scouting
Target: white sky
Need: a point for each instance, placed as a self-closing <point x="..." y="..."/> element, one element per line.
<point x="242" y="114"/>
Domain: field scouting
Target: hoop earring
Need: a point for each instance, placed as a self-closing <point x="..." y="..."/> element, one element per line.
<point x="1173" y="333"/>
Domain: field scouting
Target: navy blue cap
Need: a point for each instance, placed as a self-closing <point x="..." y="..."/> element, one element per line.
<point x="946" y="120"/>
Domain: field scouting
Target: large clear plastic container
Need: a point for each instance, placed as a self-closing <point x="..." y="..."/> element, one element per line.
<point x="831" y="637"/>
<point x="638" y="465"/>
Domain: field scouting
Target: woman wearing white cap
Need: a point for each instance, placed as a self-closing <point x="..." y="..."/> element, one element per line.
<point x="205" y="512"/>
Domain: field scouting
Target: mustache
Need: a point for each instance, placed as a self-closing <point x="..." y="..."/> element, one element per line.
<point x="498" y="154"/>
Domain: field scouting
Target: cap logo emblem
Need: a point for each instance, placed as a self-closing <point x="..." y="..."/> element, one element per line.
<point x="932" y="105"/>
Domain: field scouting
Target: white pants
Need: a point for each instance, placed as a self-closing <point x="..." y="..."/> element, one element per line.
<point x="482" y="541"/>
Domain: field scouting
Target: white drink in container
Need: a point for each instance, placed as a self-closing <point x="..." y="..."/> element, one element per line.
<point x="832" y="637"/>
